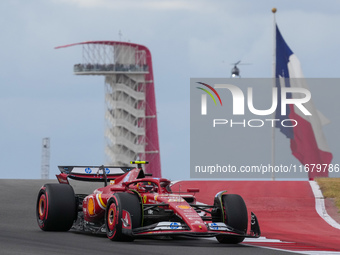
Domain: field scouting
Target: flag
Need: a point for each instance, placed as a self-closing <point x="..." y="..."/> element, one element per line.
<point x="307" y="141"/>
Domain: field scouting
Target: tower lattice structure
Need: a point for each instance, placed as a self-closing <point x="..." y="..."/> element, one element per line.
<point x="45" y="158"/>
<point x="131" y="117"/>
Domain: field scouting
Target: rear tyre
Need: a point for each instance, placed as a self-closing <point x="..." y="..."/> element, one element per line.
<point x="123" y="213"/>
<point x="235" y="215"/>
<point x="56" y="207"/>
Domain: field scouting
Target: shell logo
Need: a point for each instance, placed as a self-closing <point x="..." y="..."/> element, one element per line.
<point x="184" y="206"/>
<point x="90" y="206"/>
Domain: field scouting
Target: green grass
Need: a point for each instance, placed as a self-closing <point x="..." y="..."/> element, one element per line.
<point x="330" y="188"/>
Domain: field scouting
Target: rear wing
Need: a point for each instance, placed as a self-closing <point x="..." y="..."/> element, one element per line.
<point x="91" y="173"/>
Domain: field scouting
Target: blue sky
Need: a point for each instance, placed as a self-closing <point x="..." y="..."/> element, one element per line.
<point x="40" y="97"/>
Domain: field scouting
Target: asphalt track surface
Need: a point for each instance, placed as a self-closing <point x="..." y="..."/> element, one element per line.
<point x="20" y="234"/>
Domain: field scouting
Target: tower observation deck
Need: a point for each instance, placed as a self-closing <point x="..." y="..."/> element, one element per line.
<point x="131" y="117"/>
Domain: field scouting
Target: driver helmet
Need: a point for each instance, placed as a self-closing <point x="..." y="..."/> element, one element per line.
<point x="146" y="187"/>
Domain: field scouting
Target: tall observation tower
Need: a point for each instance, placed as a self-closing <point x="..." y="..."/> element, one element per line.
<point x="131" y="116"/>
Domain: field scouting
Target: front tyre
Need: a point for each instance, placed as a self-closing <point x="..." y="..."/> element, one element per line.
<point x="235" y="215"/>
<point x="56" y="207"/>
<point x="123" y="213"/>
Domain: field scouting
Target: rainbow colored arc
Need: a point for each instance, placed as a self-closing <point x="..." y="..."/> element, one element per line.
<point x="209" y="93"/>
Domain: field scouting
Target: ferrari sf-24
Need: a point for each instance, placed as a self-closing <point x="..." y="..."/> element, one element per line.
<point x="131" y="204"/>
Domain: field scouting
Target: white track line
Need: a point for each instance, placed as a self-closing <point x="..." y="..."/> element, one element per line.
<point x="263" y="239"/>
<point x="319" y="252"/>
<point x="320" y="205"/>
<point x="250" y="242"/>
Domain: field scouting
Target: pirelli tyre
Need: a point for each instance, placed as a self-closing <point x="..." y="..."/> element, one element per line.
<point x="123" y="213"/>
<point x="234" y="214"/>
<point x="56" y="207"/>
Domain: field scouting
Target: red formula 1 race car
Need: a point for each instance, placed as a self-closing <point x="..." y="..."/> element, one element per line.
<point x="132" y="204"/>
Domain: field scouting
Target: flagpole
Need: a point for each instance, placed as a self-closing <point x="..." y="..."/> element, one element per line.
<point x="274" y="73"/>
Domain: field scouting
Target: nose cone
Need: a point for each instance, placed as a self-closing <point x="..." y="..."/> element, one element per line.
<point x="199" y="227"/>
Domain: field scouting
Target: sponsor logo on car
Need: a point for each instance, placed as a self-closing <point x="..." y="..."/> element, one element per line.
<point x="174" y="225"/>
<point x="213" y="226"/>
<point x="183" y="206"/>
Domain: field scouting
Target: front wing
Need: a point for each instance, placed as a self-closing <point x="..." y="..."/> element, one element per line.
<point x="177" y="228"/>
